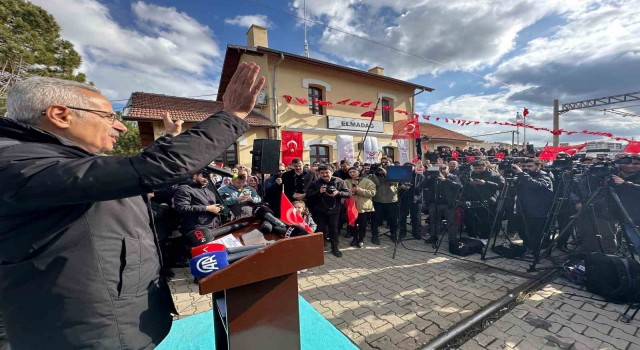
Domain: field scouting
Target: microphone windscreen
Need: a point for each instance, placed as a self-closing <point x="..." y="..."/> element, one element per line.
<point x="266" y="227"/>
<point x="208" y="263"/>
<point x="207" y="248"/>
<point x="261" y="211"/>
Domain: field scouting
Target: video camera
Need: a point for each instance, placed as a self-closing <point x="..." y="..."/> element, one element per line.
<point x="465" y="172"/>
<point x="432" y="172"/>
<point x="506" y="166"/>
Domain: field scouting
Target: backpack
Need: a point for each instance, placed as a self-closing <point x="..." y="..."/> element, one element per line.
<point x="613" y="278"/>
<point x="509" y="250"/>
<point x="465" y="246"/>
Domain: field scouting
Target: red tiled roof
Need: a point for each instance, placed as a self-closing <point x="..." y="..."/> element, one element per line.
<point x="148" y="106"/>
<point x="436" y="132"/>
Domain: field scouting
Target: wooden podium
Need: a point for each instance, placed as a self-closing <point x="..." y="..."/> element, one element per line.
<point x="255" y="300"/>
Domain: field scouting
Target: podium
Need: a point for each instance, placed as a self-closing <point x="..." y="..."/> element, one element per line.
<point x="255" y="300"/>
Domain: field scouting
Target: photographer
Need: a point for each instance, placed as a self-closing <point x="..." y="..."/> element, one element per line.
<point x="627" y="183"/>
<point x="362" y="190"/>
<point x="441" y="189"/>
<point x="534" y="191"/>
<point x="196" y="203"/>
<point x="323" y="200"/>
<point x="480" y="196"/>
<point x="410" y="199"/>
<point x="239" y="197"/>
<point x="273" y="190"/>
<point x="385" y="201"/>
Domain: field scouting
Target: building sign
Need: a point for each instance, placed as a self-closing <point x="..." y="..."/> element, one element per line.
<point x="355" y="124"/>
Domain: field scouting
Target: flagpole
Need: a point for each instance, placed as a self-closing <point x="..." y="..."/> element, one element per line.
<point x="364" y="139"/>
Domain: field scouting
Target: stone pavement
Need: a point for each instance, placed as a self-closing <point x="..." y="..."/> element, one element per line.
<point x="384" y="303"/>
<point x="560" y="316"/>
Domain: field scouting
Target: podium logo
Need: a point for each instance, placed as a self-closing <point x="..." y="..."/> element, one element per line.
<point x="207" y="264"/>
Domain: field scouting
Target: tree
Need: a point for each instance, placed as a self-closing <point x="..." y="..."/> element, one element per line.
<point x="30" y="44"/>
<point x="129" y="143"/>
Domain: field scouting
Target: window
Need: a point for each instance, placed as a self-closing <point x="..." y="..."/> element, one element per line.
<point x="388" y="152"/>
<point x="319" y="154"/>
<point x="315" y="93"/>
<point x="387" y="114"/>
<point x="229" y="157"/>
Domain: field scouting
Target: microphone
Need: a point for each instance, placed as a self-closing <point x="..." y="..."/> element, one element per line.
<point x="266" y="227"/>
<point x="208" y="263"/>
<point x="226" y="229"/>
<point x="266" y="214"/>
<point x="233" y="257"/>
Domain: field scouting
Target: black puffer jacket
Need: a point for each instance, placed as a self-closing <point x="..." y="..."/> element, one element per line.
<point x="534" y="194"/>
<point x="487" y="192"/>
<point x="79" y="266"/>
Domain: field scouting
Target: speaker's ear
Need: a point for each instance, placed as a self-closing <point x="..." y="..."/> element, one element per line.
<point x="265" y="156"/>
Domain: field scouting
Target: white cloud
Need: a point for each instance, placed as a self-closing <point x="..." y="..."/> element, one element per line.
<point x="157" y="53"/>
<point x="248" y="20"/>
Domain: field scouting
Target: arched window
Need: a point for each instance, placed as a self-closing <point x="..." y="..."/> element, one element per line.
<point x="315" y="93"/>
<point x="389" y="153"/>
<point x="387" y="113"/>
<point x="319" y="154"/>
<point x="230" y="156"/>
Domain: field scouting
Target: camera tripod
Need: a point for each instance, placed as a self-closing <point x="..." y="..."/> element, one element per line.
<point x="398" y="239"/>
<point x="559" y="199"/>
<point x="496" y="226"/>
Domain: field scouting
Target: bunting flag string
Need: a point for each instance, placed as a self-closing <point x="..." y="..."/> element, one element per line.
<point x="460" y="122"/>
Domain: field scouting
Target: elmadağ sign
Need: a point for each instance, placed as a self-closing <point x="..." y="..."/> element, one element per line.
<point x="355" y="124"/>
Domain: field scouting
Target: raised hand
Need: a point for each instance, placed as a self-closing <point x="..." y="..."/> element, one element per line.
<point x="171" y="127"/>
<point x="242" y="90"/>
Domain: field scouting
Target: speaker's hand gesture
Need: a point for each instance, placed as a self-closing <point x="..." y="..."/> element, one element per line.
<point x="242" y="90"/>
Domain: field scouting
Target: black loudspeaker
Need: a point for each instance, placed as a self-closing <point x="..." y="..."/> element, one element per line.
<point x="265" y="157"/>
<point x="530" y="149"/>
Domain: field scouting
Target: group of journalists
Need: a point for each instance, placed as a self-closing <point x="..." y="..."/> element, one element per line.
<point x="513" y="195"/>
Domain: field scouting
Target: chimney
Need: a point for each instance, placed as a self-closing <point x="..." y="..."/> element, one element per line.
<point x="377" y="70"/>
<point x="257" y="36"/>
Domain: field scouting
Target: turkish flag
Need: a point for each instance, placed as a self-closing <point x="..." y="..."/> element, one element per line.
<point x="352" y="211"/>
<point x="470" y="159"/>
<point x="499" y="156"/>
<point x="289" y="214"/>
<point x="525" y="112"/>
<point x="292" y="146"/>
<point x="302" y="101"/>
<point x="455" y="155"/>
<point x="632" y="147"/>
<point x="406" y="129"/>
<point x="369" y="114"/>
<point x="366" y="104"/>
<point x="287" y="97"/>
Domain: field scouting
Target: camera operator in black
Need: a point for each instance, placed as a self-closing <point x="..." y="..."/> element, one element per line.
<point x="481" y="193"/>
<point x="627" y="183"/>
<point x="197" y="205"/>
<point x="323" y="200"/>
<point x="410" y="200"/>
<point x="564" y="177"/>
<point x="441" y="202"/>
<point x="273" y="190"/>
<point x="385" y="201"/>
<point x="534" y="191"/>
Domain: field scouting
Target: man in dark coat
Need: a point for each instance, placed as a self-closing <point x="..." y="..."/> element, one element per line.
<point x="481" y="194"/>
<point x="79" y="264"/>
<point x="297" y="180"/>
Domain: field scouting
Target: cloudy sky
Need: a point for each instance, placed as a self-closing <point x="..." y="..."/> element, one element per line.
<point x="486" y="59"/>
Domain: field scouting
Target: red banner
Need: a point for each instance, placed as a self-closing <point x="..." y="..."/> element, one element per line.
<point x="549" y="153"/>
<point x="292" y="146"/>
<point x="632" y="147"/>
<point x="289" y="214"/>
<point x="406" y="129"/>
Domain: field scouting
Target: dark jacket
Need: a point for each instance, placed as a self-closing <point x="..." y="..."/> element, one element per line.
<point x="534" y="194"/>
<point x="488" y="192"/>
<point x="342" y="174"/>
<point x="190" y="201"/>
<point x="273" y="194"/>
<point x="408" y="196"/>
<point x="321" y="203"/>
<point x="629" y="194"/>
<point x="294" y="183"/>
<point x="447" y="190"/>
<point x="79" y="265"/>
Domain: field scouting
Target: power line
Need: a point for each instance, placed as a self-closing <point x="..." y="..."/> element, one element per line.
<point x="374" y="42"/>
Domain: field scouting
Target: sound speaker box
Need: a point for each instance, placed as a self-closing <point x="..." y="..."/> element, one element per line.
<point x="265" y="156"/>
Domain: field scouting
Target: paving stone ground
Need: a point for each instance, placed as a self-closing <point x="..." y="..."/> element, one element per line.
<point x="402" y="303"/>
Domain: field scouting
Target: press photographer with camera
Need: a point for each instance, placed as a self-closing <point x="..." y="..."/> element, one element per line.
<point x="197" y="206"/>
<point x="385" y="201"/>
<point x="362" y="190"/>
<point x="323" y="200"/>
<point x="440" y="192"/>
<point x="273" y="190"/>
<point x="534" y="197"/>
<point x="480" y="194"/>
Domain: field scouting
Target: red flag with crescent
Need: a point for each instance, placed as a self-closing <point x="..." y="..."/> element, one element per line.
<point x="289" y="214"/>
<point x="632" y="147"/>
<point x="525" y="112"/>
<point x="406" y="129"/>
<point x="292" y="146"/>
<point x="470" y="159"/>
<point x="499" y="155"/>
<point x="455" y="155"/>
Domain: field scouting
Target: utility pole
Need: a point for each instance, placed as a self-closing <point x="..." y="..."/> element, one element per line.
<point x="518" y="116"/>
<point x="556" y="121"/>
<point x="306" y="45"/>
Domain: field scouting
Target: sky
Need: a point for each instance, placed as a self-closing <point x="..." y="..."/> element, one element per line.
<point x="486" y="60"/>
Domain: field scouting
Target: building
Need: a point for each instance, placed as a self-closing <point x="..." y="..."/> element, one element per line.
<point x="437" y="136"/>
<point x="294" y="99"/>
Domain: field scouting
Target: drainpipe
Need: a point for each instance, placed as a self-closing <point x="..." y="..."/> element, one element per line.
<point x="274" y="96"/>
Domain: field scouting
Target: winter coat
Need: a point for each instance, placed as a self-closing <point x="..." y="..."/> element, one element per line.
<point x="534" y="194"/>
<point x="447" y="190"/>
<point x="364" y="194"/>
<point x="191" y="201"/>
<point x="294" y="183"/>
<point x="321" y="203"/>
<point x="488" y="192"/>
<point x="79" y="264"/>
<point x="386" y="192"/>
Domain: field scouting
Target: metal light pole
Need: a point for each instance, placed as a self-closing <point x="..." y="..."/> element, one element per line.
<point x="524" y="131"/>
<point x="518" y="116"/>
